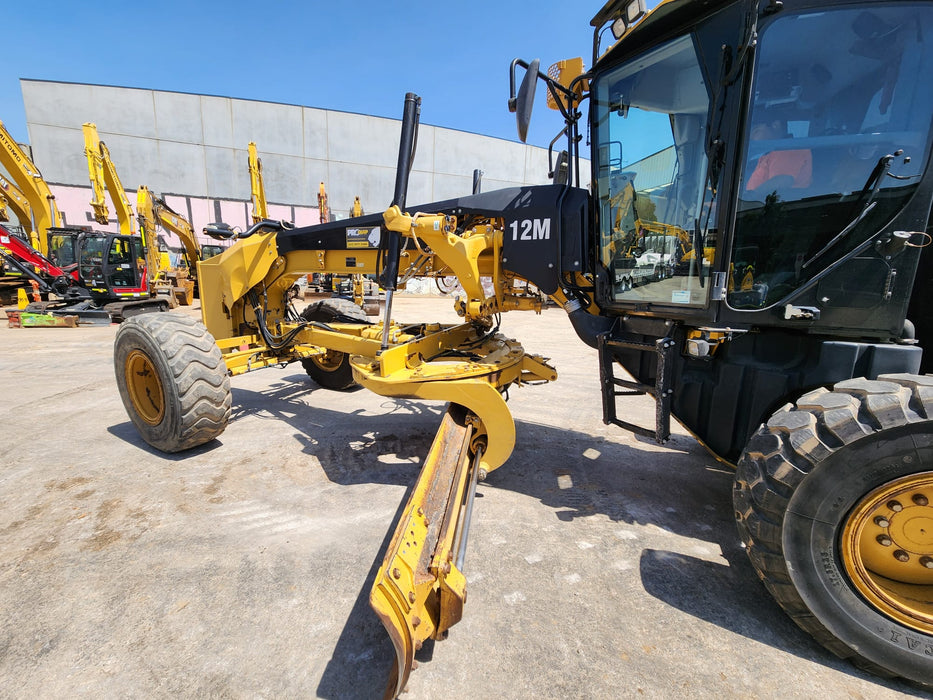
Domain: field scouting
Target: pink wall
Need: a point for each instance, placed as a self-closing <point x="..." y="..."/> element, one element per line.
<point x="75" y="205"/>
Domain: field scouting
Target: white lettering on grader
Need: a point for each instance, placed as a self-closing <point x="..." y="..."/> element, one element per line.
<point x="531" y="230"/>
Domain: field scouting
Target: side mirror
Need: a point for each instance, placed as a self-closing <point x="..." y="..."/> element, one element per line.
<point x="526" y="98"/>
<point x="561" y="172"/>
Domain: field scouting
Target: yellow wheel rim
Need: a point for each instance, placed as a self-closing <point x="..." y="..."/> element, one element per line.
<point x="144" y="387"/>
<point x="887" y="549"/>
<point x="329" y="361"/>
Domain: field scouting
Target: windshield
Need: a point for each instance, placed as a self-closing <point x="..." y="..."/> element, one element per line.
<point x="835" y="92"/>
<point x="93" y="256"/>
<point x="62" y="247"/>
<point x="650" y="124"/>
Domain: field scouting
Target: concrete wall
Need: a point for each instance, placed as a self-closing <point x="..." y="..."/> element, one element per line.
<point x="195" y="145"/>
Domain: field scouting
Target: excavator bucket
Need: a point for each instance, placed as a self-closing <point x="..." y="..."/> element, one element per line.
<point x="420" y="589"/>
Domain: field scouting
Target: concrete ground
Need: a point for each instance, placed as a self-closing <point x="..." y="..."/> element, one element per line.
<point x="600" y="565"/>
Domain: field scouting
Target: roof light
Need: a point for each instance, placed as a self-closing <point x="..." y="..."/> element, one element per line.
<point x="629" y="13"/>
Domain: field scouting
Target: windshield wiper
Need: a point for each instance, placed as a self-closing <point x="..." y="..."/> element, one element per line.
<point x="878" y="173"/>
<point x="715" y="145"/>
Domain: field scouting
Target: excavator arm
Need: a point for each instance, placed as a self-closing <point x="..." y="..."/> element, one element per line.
<point x="103" y="175"/>
<point x="34" y="188"/>
<point x="322" y="208"/>
<point x="157" y="213"/>
<point x="257" y="186"/>
<point x="12" y="198"/>
<point x="153" y="213"/>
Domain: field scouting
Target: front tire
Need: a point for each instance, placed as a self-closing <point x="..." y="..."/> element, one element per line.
<point x="833" y="501"/>
<point x="172" y="379"/>
<point x="332" y="370"/>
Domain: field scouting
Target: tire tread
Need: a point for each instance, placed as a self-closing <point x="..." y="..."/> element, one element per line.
<point x="785" y="449"/>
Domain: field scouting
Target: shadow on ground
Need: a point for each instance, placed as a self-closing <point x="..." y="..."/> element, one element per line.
<point x="677" y="488"/>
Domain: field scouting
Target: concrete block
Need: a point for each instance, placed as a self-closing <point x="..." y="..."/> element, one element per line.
<point x="450" y="186"/>
<point x="373" y="185"/>
<point x="314" y="129"/>
<point x="420" y="189"/>
<point x="227" y="173"/>
<point x="181" y="166"/>
<point x="217" y="122"/>
<point x="57" y="104"/>
<point x="286" y="180"/>
<point x="178" y="117"/>
<point x="490" y="185"/>
<point x="425" y="150"/>
<point x="536" y="166"/>
<point x="459" y="153"/>
<point x="126" y="111"/>
<point x="356" y="138"/>
<point x="275" y="128"/>
<point x="59" y="154"/>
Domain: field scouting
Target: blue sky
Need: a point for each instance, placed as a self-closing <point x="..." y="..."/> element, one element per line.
<point x="352" y="56"/>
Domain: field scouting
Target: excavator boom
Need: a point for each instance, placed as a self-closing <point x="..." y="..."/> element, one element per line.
<point x="103" y="175"/>
<point x="12" y="198"/>
<point x="34" y="188"/>
<point x="257" y="186"/>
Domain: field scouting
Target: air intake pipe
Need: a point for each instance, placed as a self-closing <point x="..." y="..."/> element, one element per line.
<point x="587" y="325"/>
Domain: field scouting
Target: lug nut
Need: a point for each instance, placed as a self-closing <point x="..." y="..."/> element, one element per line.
<point x="895" y="506"/>
<point x="926" y="562"/>
<point x="396" y="573"/>
<point x="884" y="540"/>
<point x="901" y="555"/>
<point x="882" y="521"/>
<point x="411" y="596"/>
<point x="921" y="500"/>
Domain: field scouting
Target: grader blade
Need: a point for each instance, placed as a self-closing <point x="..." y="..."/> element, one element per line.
<point x="420" y="589"/>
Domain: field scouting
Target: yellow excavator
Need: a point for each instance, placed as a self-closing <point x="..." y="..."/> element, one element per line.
<point x="809" y="382"/>
<point x="51" y="257"/>
<point x="153" y="213"/>
<point x="13" y="200"/>
<point x="163" y="278"/>
<point x="95" y="276"/>
<point x="43" y="212"/>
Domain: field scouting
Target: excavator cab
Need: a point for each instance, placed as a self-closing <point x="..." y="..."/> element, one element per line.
<point x="112" y="265"/>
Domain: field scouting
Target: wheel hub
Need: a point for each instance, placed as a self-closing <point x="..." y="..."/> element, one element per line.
<point x="144" y="387"/>
<point x="887" y="549"/>
<point x="329" y="361"/>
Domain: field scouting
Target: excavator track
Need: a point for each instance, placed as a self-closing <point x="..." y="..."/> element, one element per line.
<point x="420" y="589"/>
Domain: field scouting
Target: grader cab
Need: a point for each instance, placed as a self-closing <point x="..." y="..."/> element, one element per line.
<point x="780" y="336"/>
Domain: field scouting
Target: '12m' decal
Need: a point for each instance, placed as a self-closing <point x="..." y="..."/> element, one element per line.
<point x="531" y="230"/>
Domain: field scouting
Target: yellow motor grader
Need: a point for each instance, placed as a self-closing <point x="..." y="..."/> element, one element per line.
<point x="806" y="376"/>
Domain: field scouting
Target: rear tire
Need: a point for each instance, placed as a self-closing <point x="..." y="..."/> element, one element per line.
<point x="172" y="379"/>
<point x="332" y="370"/>
<point x="833" y="501"/>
